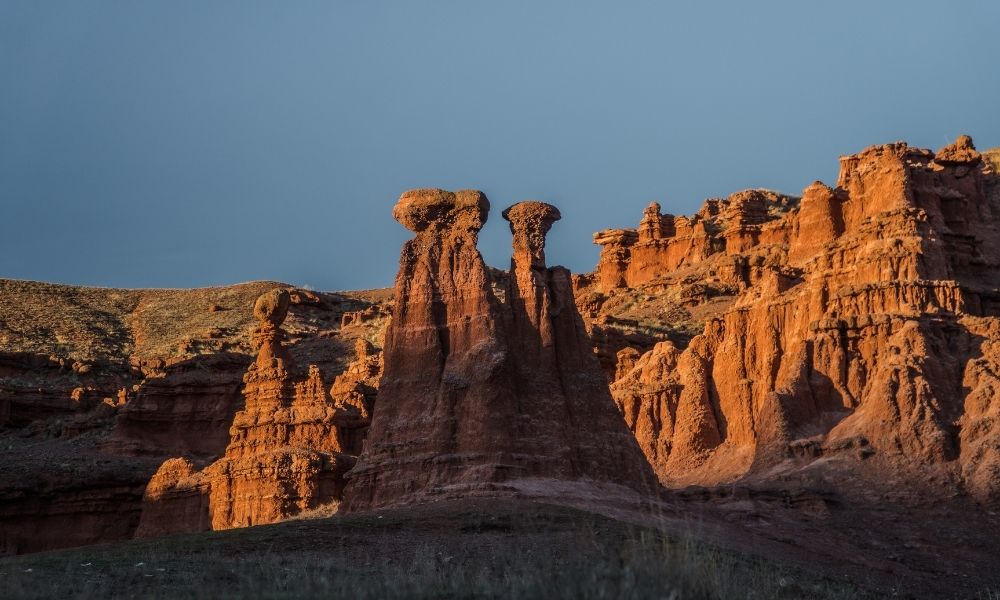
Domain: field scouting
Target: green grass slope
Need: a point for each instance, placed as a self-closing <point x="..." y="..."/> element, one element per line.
<point x="460" y="549"/>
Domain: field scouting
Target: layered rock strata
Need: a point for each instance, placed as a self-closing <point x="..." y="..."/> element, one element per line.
<point x="98" y="387"/>
<point x="289" y="447"/>
<point x="70" y="388"/>
<point x="866" y="321"/>
<point x="665" y="243"/>
<point x="182" y="406"/>
<point x="477" y="392"/>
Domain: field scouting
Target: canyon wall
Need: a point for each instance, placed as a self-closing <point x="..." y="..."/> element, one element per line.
<point x="860" y="319"/>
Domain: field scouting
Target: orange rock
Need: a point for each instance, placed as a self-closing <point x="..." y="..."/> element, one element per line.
<point x="665" y="243"/>
<point x="354" y="392"/>
<point x="868" y="317"/>
<point x="480" y="393"/>
<point x="616" y="256"/>
<point x="819" y="222"/>
<point x="271" y="309"/>
<point x="176" y="499"/>
<point x="962" y="152"/>
<point x="288" y="448"/>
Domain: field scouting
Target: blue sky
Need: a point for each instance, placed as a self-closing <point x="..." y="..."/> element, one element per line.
<point x="176" y="144"/>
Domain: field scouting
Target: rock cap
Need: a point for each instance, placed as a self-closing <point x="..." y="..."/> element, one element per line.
<point x="616" y="237"/>
<point x="272" y="307"/>
<point x="530" y="212"/>
<point x="431" y="208"/>
<point x="529" y="222"/>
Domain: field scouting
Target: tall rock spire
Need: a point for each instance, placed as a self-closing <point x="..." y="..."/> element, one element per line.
<point x="480" y="394"/>
<point x="288" y="448"/>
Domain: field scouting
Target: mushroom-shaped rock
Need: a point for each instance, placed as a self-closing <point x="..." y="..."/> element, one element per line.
<point x="962" y="152"/>
<point x="272" y="307"/>
<point x="529" y="222"/>
<point x="616" y="255"/>
<point x="479" y="393"/>
<point x="434" y="209"/>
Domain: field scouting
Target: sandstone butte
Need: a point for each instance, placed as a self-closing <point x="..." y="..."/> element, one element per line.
<point x="850" y="335"/>
<point x="489" y="382"/>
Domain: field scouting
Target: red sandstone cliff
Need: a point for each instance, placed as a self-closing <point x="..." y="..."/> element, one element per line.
<point x="861" y="322"/>
<point x="480" y="392"/>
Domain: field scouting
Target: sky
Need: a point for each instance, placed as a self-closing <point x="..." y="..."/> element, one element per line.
<point x="194" y="143"/>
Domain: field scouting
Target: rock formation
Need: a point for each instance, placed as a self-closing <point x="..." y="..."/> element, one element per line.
<point x="664" y="243"/>
<point x="764" y="338"/>
<point x="479" y="393"/>
<point x="864" y="319"/>
<point x="288" y="448"/>
<point x="355" y="390"/>
<point x="182" y="406"/>
<point x="98" y="387"/>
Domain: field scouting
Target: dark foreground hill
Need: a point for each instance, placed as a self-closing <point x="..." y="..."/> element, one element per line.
<point x="461" y="549"/>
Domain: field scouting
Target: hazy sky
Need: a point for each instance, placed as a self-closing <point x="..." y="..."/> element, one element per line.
<point x="175" y="144"/>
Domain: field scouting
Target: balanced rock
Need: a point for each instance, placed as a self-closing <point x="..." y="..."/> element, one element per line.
<point x="270" y="310"/>
<point x="288" y="448"/>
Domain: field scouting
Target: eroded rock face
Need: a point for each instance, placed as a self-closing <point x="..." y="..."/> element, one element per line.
<point x="664" y="243"/>
<point x="865" y="321"/>
<point x="183" y="406"/>
<point x="478" y="393"/>
<point x="288" y="448"/>
<point x="70" y="388"/>
<point x="99" y="386"/>
<point x="962" y="152"/>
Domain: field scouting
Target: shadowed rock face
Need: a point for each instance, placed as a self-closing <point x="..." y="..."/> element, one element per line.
<point x="565" y="411"/>
<point x="288" y="449"/>
<point x="478" y="392"/>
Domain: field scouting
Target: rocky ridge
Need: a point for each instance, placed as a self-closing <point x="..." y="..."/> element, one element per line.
<point x="861" y="323"/>
<point x="845" y="340"/>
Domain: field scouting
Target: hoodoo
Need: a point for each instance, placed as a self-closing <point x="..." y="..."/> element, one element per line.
<point x="481" y="393"/>
<point x="288" y="451"/>
<point x="566" y="416"/>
